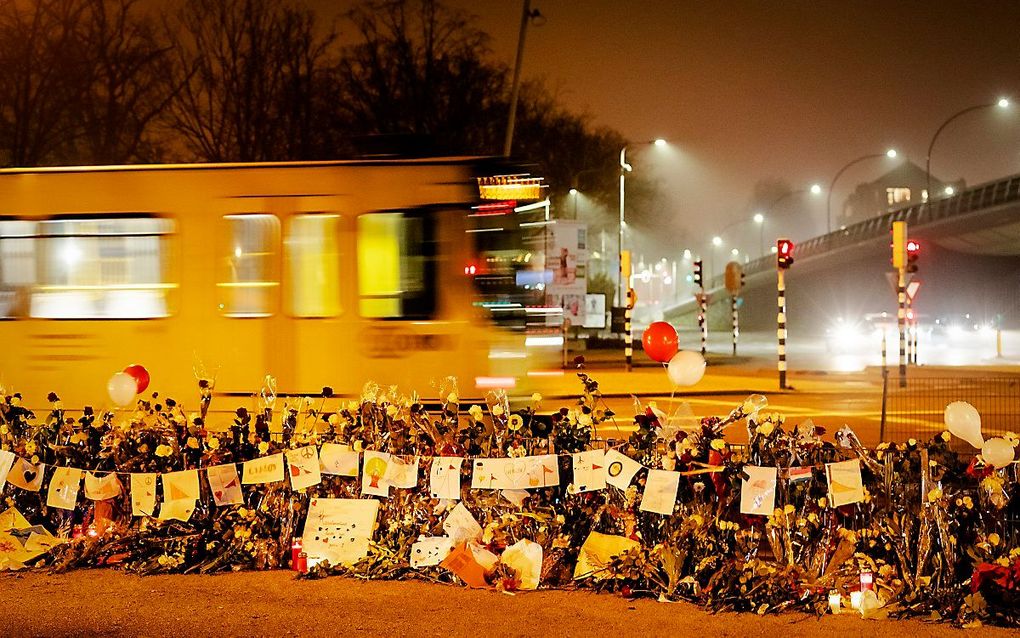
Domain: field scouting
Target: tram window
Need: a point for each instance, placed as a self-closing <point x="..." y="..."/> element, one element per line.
<point x="250" y="279"/>
<point x="396" y="275"/>
<point x="313" y="260"/>
<point x="17" y="266"/>
<point x="103" y="268"/>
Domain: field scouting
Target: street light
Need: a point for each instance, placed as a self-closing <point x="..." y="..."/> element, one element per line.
<point x="814" y="189"/>
<point x="1002" y="103"/>
<point x="760" y="220"/>
<point x="891" y="153"/>
<point x="624" y="169"/>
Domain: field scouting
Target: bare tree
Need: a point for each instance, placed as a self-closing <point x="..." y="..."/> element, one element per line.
<point x="129" y="83"/>
<point x="419" y="67"/>
<point x="248" y="71"/>
<point x="42" y="81"/>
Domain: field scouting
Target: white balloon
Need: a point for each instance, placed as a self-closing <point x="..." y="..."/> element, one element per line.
<point x="686" y="368"/>
<point x="997" y="452"/>
<point x="963" y="420"/>
<point x="122" y="388"/>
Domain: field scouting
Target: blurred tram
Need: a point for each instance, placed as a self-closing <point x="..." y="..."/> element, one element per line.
<point x="400" y="272"/>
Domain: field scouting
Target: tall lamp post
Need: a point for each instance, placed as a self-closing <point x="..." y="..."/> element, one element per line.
<point x="528" y="15"/>
<point x="760" y="220"/>
<point x="624" y="169"/>
<point x="891" y="153"/>
<point x="1002" y="103"/>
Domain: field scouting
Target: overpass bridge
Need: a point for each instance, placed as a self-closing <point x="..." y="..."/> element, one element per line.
<point x="970" y="263"/>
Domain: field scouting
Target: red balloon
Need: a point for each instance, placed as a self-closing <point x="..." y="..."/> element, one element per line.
<point x="660" y="341"/>
<point x="139" y="374"/>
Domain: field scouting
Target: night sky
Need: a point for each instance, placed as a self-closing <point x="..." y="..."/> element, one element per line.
<point x="786" y="90"/>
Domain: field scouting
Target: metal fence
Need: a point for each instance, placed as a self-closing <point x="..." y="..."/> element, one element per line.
<point x="917" y="410"/>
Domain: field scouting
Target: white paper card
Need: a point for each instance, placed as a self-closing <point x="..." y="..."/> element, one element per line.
<point x="589" y="471"/>
<point x="620" y="469"/>
<point x="64" y="485"/>
<point x="303" y="466"/>
<point x="461" y="526"/>
<point x="429" y="551"/>
<point x="846" y="485"/>
<point x="339" y="529"/>
<point x="267" y="469"/>
<point x="758" y="491"/>
<point x="402" y="473"/>
<point x="373" y="478"/>
<point x="180" y="486"/>
<point x="143" y="494"/>
<point x="444" y="477"/>
<point x="180" y="510"/>
<point x="338" y="460"/>
<point x="6" y="462"/>
<point x="224" y="484"/>
<point x="660" y="492"/>
<point x="100" y="489"/>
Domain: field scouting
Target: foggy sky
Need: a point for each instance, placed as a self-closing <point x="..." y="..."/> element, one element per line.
<point x="790" y="90"/>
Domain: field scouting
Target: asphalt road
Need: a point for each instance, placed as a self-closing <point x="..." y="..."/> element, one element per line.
<point x="113" y="604"/>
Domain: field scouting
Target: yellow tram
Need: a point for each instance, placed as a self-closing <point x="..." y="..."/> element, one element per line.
<point x="318" y="273"/>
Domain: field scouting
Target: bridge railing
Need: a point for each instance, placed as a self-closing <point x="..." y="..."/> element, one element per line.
<point x="1002" y="191"/>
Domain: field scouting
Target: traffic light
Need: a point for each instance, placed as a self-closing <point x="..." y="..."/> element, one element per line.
<point x="913" y="252"/>
<point x="784" y="253"/>
<point x="697" y="273"/>
<point x="742" y="275"/>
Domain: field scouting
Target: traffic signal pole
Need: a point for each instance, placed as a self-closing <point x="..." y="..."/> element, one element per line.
<point x="901" y="320"/>
<point x="699" y="278"/>
<point x="899" y="262"/>
<point x="736" y="322"/>
<point x="781" y="321"/>
<point x="784" y="259"/>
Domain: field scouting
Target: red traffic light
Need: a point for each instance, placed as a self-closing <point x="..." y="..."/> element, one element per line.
<point x="784" y="253"/>
<point x="913" y="246"/>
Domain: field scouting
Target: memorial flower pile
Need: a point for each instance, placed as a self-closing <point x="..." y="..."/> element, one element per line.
<point x="513" y="496"/>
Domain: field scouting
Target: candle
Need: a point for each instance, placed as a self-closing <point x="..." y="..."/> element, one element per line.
<point x="855" y="600"/>
<point x="834" y="601"/>
<point x="867" y="581"/>
<point x="295" y="554"/>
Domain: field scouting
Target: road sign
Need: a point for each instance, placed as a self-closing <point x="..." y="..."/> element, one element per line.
<point x="892" y="278"/>
<point x="912" y="289"/>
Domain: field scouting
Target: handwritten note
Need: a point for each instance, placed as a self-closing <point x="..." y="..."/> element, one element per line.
<point x="266" y="469"/>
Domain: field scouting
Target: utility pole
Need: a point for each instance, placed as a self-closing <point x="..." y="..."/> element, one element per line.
<point x="899" y="259"/>
<point x="784" y="259"/>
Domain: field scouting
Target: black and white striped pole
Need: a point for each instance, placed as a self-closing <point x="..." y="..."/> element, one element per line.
<point x="631" y="298"/>
<point x="899" y="261"/>
<point x="734" y="281"/>
<point x="699" y="281"/>
<point x="784" y="259"/>
<point x="736" y="322"/>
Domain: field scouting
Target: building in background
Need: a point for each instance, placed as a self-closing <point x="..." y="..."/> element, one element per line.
<point x="903" y="186"/>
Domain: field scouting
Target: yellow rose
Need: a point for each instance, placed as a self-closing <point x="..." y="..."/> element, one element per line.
<point x="788" y="509"/>
<point x="934" y="495"/>
<point x="263" y="447"/>
<point x="452" y="398"/>
<point x="536" y="398"/>
<point x="718" y="444"/>
<point x="192" y="443"/>
<point x="947" y="436"/>
<point x="213" y="443"/>
<point x="497" y="410"/>
<point x="823" y="502"/>
<point x="994" y="539"/>
<point x="766" y="428"/>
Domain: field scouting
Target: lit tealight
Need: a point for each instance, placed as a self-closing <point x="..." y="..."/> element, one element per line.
<point x="834" y="601"/>
<point x="855" y="599"/>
